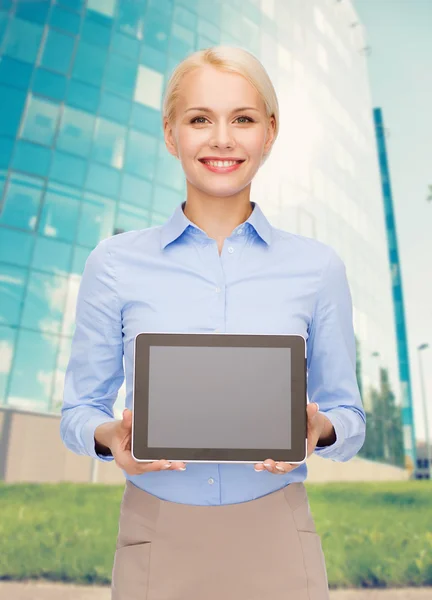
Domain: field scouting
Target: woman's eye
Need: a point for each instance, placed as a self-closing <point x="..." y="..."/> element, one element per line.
<point x="197" y="118"/>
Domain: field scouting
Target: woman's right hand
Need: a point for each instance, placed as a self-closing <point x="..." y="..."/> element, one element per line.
<point x="120" y="446"/>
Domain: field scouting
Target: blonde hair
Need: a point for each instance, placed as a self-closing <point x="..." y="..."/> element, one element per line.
<point x="226" y="58"/>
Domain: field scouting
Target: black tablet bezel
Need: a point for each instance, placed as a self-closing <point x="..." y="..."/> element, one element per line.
<point x="297" y="344"/>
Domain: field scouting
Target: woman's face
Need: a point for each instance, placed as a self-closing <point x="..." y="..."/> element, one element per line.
<point x="221" y="130"/>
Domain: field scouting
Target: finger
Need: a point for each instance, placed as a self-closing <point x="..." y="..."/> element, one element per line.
<point x="312" y="409"/>
<point x="156" y="465"/>
<point x="270" y="465"/>
<point x="126" y="422"/>
<point x="284" y="467"/>
<point x="178" y="466"/>
<point x="259" y="467"/>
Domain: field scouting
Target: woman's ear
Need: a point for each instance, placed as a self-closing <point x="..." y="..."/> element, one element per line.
<point x="270" y="135"/>
<point x="169" y="138"/>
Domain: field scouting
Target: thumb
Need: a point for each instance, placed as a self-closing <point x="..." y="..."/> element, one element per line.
<point x="127" y="419"/>
<point x="312" y="409"/>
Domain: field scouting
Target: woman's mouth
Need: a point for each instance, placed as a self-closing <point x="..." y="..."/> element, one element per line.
<point x="221" y="166"/>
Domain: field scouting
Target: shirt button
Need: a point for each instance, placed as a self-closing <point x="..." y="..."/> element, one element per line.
<point x="239" y="231"/>
<point x="217" y="290"/>
<point x="211" y="480"/>
<point x="230" y="249"/>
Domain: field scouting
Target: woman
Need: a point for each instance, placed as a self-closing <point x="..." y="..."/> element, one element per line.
<point x="207" y="530"/>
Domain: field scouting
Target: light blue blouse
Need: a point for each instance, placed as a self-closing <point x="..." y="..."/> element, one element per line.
<point x="172" y="278"/>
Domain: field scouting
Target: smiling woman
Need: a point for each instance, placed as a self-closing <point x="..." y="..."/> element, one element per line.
<point x="214" y="530"/>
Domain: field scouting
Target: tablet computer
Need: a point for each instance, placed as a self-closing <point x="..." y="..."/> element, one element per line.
<point x="219" y="397"/>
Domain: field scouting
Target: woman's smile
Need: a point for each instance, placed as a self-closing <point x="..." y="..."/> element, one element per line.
<point x="222" y="166"/>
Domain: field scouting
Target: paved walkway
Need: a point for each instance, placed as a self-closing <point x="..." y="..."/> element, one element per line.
<point x="59" y="591"/>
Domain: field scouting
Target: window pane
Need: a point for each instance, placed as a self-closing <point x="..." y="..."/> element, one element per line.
<point x="103" y="180"/>
<point x="68" y="325"/>
<point x="31" y="158"/>
<point x="147" y="119"/>
<point x="182" y="41"/>
<point x="15" y="72"/>
<point x="96" y="30"/>
<point x="161" y="6"/>
<point x="131" y="217"/>
<point x="6" y="147"/>
<point x="184" y="17"/>
<point x="23" y="40"/>
<point x="52" y="256"/>
<point x="89" y="63"/>
<point x="12" y="104"/>
<point x="22" y="202"/>
<point x="115" y="108"/>
<point x="104" y="7"/>
<point x="49" y="84"/>
<point x="15" y="246"/>
<point x="33" y="370"/>
<point x="136" y="191"/>
<point x="76" y="130"/>
<point x="12" y="285"/>
<point x="36" y="10"/>
<point x="80" y="256"/>
<point x="169" y="170"/>
<point x="44" y="303"/>
<point x="130" y="17"/>
<point x="152" y="58"/>
<point x="125" y="46"/>
<point x="2" y="179"/>
<point x="7" y="345"/>
<point x="40" y="121"/>
<point x="58" y="50"/>
<point x="141" y="154"/>
<point x="156" y="30"/>
<point x="59" y="375"/>
<point x="3" y="25"/>
<point x="60" y="212"/>
<point x="68" y="169"/>
<point x="76" y="5"/>
<point x="96" y="220"/>
<point x="149" y="87"/>
<point x="120" y="75"/>
<point x="165" y="200"/>
<point x="109" y="142"/>
<point x="65" y="20"/>
<point x="83" y="96"/>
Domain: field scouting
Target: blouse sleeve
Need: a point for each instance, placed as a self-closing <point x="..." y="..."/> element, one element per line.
<point x="95" y="371"/>
<point x="331" y="361"/>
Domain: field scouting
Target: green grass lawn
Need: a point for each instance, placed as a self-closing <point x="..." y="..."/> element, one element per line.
<point x="373" y="535"/>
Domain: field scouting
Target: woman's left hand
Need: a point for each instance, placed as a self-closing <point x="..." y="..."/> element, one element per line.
<point x="315" y="427"/>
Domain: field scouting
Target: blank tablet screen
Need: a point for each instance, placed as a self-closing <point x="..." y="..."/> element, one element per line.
<point x="192" y="406"/>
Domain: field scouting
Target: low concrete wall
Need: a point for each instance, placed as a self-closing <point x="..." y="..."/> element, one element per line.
<point x="31" y="450"/>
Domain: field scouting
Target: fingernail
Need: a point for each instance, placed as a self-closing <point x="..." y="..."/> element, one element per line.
<point x="317" y="405"/>
<point x="258" y="470"/>
<point x="182" y="469"/>
<point x="280" y="468"/>
<point x="166" y="466"/>
<point x="267" y="464"/>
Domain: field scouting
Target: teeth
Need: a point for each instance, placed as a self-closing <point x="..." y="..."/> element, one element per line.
<point x="221" y="163"/>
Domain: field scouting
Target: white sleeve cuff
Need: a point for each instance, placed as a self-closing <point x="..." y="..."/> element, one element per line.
<point x="333" y="451"/>
<point x="87" y="436"/>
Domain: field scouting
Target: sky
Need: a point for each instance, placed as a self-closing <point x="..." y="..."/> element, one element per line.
<point x="399" y="33"/>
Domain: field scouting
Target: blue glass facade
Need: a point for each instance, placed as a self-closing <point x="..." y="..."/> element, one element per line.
<point x="82" y="156"/>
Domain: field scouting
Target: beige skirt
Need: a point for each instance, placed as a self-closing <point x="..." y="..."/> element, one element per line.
<point x="263" y="549"/>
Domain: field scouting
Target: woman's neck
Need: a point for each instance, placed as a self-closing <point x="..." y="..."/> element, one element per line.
<point x="218" y="217"/>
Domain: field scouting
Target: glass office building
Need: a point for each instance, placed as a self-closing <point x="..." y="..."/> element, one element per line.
<point x="82" y="156"/>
